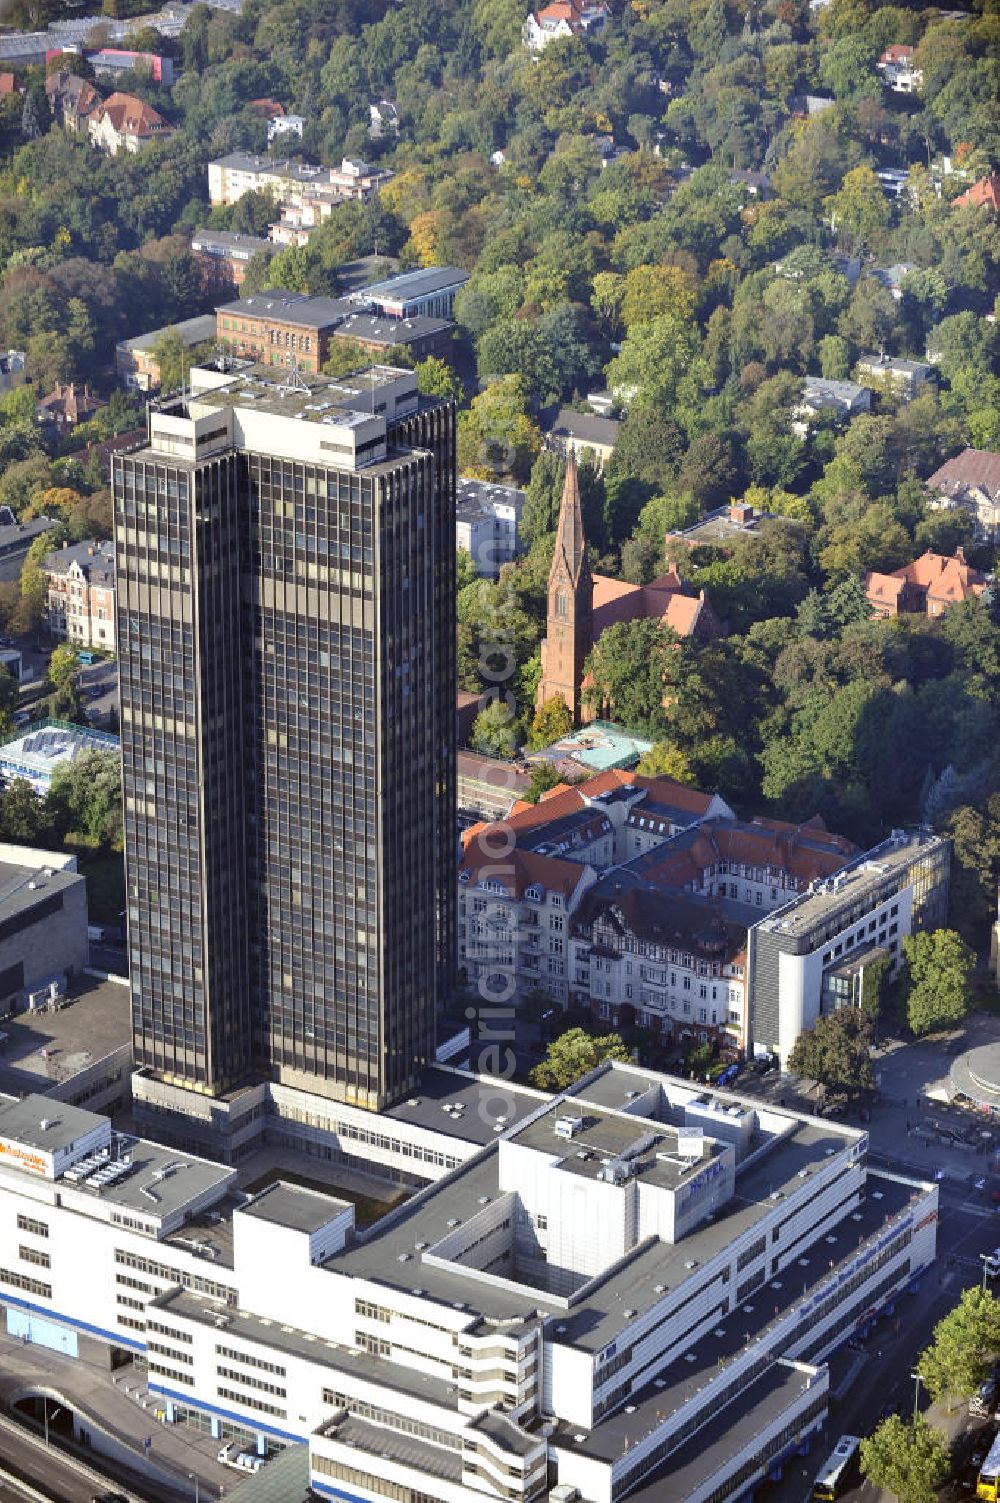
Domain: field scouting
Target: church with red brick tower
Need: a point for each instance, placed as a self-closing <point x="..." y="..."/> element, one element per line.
<point x="581" y="605"/>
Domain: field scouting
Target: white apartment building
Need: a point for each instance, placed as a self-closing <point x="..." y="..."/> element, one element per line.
<point x="673" y="964"/>
<point x="513" y="922"/>
<point x="656" y="888"/>
<point x="240" y="172"/>
<point x="487" y="523"/>
<point x="808" y="956"/>
<point x="598" y="1298"/>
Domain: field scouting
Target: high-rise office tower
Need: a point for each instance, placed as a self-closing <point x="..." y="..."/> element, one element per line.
<point x="286" y="584"/>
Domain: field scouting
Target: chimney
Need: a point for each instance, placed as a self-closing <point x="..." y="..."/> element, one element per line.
<point x="960" y="554"/>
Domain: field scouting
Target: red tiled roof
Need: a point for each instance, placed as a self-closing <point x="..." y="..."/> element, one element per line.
<point x="133" y="117"/>
<point x="67" y="402"/>
<point x="973" y="468"/>
<point x="806" y="852"/>
<point x="664" y="600"/>
<point x="269" y="109"/>
<point x="882" y="588"/>
<point x="522" y="869"/>
<point x="664" y="790"/>
<point x="941" y="575"/>
<point x="933" y="577"/>
<point x="985" y="193"/>
<point x="899" y="52"/>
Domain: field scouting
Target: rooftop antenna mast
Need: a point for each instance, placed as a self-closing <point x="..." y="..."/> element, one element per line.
<point x="293" y="381"/>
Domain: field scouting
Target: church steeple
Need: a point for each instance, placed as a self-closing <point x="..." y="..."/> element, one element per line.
<point x="571" y="544"/>
<point x="569" y="632"/>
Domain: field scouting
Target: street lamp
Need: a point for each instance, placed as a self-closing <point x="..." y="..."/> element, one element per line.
<point x="988" y="1259"/>
<point x="193" y="1477"/>
<point x="916" y="1398"/>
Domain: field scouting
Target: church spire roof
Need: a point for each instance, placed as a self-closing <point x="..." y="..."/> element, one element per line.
<point x="571" y="543"/>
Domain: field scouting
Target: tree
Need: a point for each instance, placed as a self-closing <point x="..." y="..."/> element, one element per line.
<point x="653" y="291"/>
<point x="630" y="667"/>
<point x="23" y="816"/>
<point x="975" y="838"/>
<point x="496" y="436"/>
<point x="33" y="585"/>
<point x="435" y="378"/>
<point x="938" y="970"/>
<point x="86" y="796"/>
<point x="494" y="732"/>
<point x="666" y="760"/>
<point x="574" y="1054"/>
<point x="63" y="665"/>
<point x="965" y="1341"/>
<point x="858" y="212"/>
<point x="909" y="1460"/>
<point x="175" y="359"/>
<point x="835" y="1052"/>
<point x="543" y="777"/>
<point x="552" y="719"/>
<point x="542" y="495"/>
<point x="873" y="979"/>
<point x="346" y="355"/>
<point x="653" y="358"/>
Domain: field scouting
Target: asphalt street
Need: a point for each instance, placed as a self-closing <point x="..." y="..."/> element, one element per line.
<point x="47" y="1471"/>
<point x="966" y="1229"/>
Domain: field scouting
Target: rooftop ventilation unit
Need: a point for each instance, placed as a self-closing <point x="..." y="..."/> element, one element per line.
<point x="614" y="1172"/>
<point x="568" y="1127"/>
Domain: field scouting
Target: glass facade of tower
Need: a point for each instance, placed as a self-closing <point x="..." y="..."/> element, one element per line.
<point x="287" y="651"/>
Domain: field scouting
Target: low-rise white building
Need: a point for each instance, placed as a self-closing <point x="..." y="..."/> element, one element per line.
<point x="897" y="376"/>
<point x="573" y="1307"/>
<point x="840" y="399"/>
<point x="285" y="125"/>
<point x="897" y="69"/>
<point x="487" y="523"/>
<point x="563" y="18"/>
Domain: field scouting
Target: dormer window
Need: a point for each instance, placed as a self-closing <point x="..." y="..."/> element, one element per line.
<point x="534" y="893"/>
<point x="464" y="876"/>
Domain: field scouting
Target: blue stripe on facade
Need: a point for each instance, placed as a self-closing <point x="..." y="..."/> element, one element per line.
<point x="245" y="1422"/>
<point x="335" y="1492"/>
<point x="81" y="1325"/>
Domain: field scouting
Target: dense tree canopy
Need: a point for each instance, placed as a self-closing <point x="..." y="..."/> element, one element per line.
<point x="648" y="209"/>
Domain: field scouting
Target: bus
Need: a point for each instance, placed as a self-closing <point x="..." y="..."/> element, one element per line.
<point x="989" y="1474"/>
<point x="841" y="1469"/>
